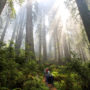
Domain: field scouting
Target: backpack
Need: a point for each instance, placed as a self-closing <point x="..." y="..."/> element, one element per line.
<point x="50" y="79"/>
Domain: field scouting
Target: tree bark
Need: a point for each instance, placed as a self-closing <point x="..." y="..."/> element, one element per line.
<point x="85" y="15"/>
<point x="30" y="54"/>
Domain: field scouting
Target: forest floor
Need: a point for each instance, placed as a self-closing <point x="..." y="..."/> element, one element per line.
<point x="50" y="86"/>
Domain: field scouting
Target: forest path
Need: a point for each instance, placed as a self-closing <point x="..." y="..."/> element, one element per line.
<point x="50" y="86"/>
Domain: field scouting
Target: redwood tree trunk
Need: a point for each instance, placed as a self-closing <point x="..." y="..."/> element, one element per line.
<point x="30" y="54"/>
<point x="20" y="34"/>
<point x="5" y="29"/>
<point x="44" y="41"/>
<point x="40" y="38"/>
<point x="85" y="15"/>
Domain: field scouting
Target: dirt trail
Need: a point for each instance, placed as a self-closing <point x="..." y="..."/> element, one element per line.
<point x="50" y="86"/>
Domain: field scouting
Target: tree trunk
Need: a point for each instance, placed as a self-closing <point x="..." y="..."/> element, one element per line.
<point x="44" y="40"/>
<point x="13" y="34"/>
<point x="67" y="50"/>
<point x="20" y="34"/>
<point x="85" y="15"/>
<point x="40" y="43"/>
<point x="55" y="47"/>
<point x="5" y="29"/>
<point x="2" y="4"/>
<point x="30" y="54"/>
<point x="58" y="45"/>
<point x="19" y="40"/>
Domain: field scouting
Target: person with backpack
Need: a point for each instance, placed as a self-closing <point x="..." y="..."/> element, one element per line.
<point x="48" y="76"/>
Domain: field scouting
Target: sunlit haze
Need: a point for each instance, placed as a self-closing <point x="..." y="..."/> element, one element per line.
<point x="52" y="23"/>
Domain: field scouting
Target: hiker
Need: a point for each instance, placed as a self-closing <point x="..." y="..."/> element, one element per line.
<point x="49" y="78"/>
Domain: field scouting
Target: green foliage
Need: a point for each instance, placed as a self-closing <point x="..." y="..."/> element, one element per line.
<point x="20" y="59"/>
<point x="21" y="1"/>
<point x="3" y="88"/>
<point x="17" y="89"/>
<point x="60" y="85"/>
<point x="73" y="76"/>
<point x="34" y="84"/>
<point x="16" y="73"/>
<point x="10" y="2"/>
<point x="11" y="5"/>
<point x="82" y="70"/>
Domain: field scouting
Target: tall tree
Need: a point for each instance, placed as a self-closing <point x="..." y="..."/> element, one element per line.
<point x="84" y="13"/>
<point x="5" y="28"/>
<point x="13" y="34"/>
<point x="20" y="31"/>
<point x="82" y="6"/>
<point x="55" y="46"/>
<point x="44" y="37"/>
<point x="40" y="38"/>
<point x="30" y="54"/>
<point x="67" y="49"/>
<point x="57" y="36"/>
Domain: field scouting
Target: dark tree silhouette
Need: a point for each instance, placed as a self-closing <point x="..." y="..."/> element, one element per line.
<point x="85" y="15"/>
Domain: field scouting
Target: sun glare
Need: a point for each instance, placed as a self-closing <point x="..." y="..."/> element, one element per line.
<point x="42" y="0"/>
<point x="62" y="10"/>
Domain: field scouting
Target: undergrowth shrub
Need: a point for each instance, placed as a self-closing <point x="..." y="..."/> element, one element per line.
<point x="82" y="70"/>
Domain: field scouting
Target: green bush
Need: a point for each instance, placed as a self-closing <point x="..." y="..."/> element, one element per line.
<point x="34" y="85"/>
<point x="82" y="70"/>
<point x="18" y="74"/>
<point x="17" y="89"/>
<point x="3" y="88"/>
<point x="60" y="85"/>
